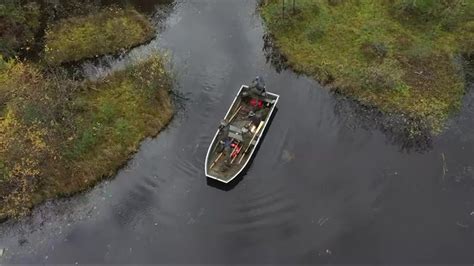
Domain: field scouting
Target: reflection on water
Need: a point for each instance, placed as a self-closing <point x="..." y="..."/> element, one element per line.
<point x="406" y="134"/>
<point x="272" y="54"/>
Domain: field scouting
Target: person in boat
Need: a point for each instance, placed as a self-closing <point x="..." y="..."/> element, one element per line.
<point x="227" y="145"/>
<point x="256" y="89"/>
<point x="230" y="150"/>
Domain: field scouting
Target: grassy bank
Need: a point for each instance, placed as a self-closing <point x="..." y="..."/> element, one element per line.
<point x="59" y="136"/>
<point x="108" y="31"/>
<point x="59" y="133"/>
<point x="397" y="55"/>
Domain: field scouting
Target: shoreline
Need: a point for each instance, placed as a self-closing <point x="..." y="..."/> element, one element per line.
<point x="417" y="134"/>
<point x="63" y="134"/>
<point x="92" y="185"/>
<point x="365" y="76"/>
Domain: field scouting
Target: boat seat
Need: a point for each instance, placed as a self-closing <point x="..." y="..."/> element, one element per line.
<point x="235" y="136"/>
<point x="235" y="129"/>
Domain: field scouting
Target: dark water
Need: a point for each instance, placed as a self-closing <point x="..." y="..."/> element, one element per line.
<point x="325" y="185"/>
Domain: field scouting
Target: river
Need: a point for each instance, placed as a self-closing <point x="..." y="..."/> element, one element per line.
<point x="326" y="186"/>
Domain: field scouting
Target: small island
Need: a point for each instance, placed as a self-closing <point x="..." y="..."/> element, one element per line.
<point x="106" y="32"/>
<point x="61" y="133"/>
<point x="402" y="57"/>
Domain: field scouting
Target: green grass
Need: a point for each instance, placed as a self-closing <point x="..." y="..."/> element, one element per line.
<point x="106" y="32"/>
<point x="379" y="53"/>
<point x="59" y="136"/>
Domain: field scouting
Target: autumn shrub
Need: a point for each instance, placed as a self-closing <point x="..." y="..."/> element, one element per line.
<point x="26" y="133"/>
<point x="19" y="23"/>
<point x="60" y="135"/>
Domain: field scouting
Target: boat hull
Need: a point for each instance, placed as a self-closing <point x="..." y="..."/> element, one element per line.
<point x="221" y="166"/>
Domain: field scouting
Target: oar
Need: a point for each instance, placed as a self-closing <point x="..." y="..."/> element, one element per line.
<point x="250" y="144"/>
<point x="215" y="161"/>
<point x="236" y="112"/>
<point x="218" y="157"/>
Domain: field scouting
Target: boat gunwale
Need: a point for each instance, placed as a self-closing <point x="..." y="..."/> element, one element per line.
<point x="277" y="97"/>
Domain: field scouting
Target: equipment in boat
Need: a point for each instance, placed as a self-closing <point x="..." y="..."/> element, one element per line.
<point x="240" y="131"/>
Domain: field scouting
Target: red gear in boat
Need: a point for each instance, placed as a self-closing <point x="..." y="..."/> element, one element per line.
<point x="236" y="152"/>
<point x="255" y="102"/>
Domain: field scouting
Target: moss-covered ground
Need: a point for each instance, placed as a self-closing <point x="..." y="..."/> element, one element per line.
<point x="61" y="133"/>
<point x="106" y="32"/>
<point x="399" y="56"/>
<point x="59" y="136"/>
